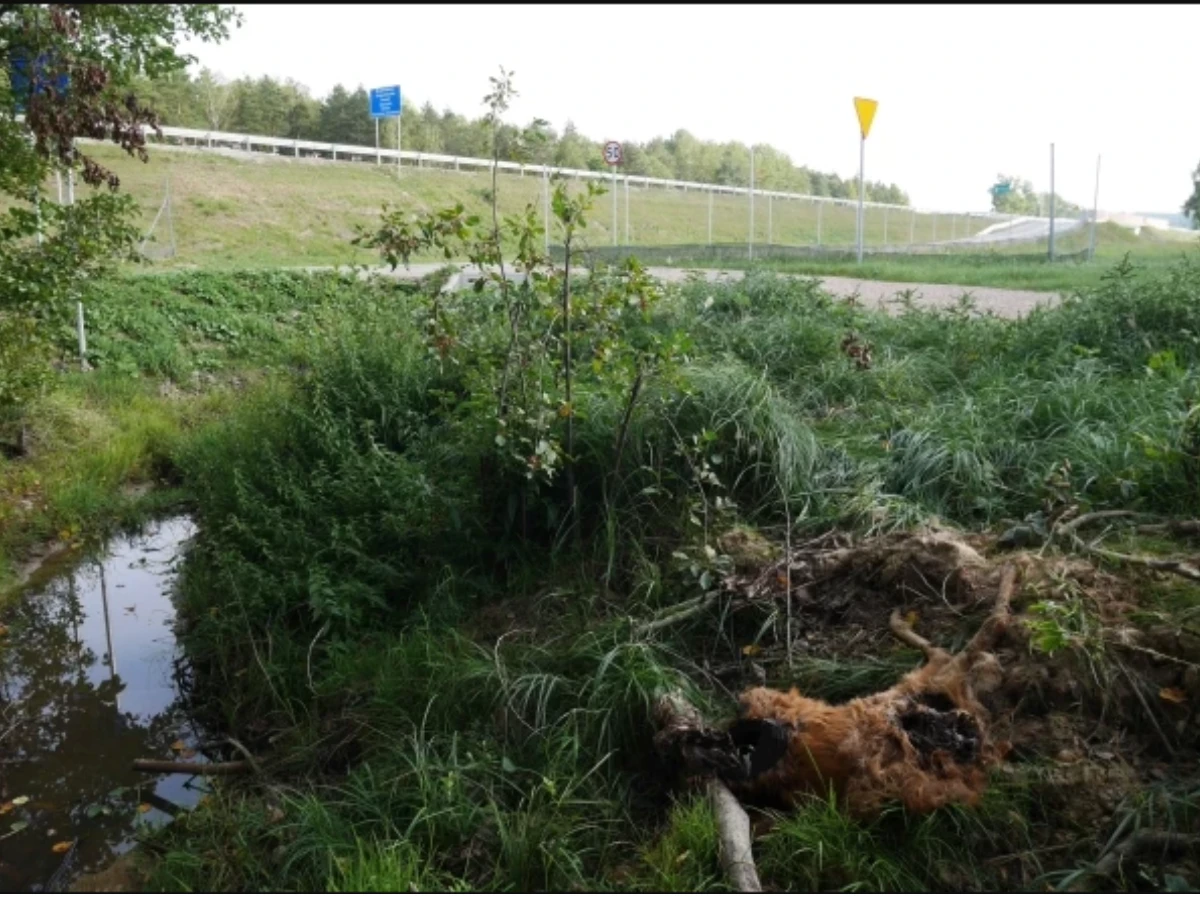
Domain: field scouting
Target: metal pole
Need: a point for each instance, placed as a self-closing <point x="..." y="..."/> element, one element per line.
<point x="820" y="210"/>
<point x="398" y="118"/>
<point x="710" y="211"/>
<point x="885" y="211"/>
<point x="378" y="155"/>
<point x="912" y="228"/>
<point x="546" y="205"/>
<point x="862" y="161"/>
<point x="953" y="227"/>
<point x="59" y="181"/>
<point x="770" y="220"/>
<point x="82" y="336"/>
<point x="614" y="193"/>
<point x="750" y="245"/>
<point x="170" y="222"/>
<point x="1051" y="203"/>
<point x="628" y="239"/>
<point x="1095" y="214"/>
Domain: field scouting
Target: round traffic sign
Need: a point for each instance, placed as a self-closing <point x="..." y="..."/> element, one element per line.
<point x="612" y="153"/>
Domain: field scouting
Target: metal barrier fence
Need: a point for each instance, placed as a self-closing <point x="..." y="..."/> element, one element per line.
<point x="729" y="220"/>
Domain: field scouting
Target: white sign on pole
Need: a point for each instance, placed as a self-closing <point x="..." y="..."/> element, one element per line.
<point x="612" y="153"/>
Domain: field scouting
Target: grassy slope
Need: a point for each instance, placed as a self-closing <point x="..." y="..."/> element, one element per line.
<point x="279" y="211"/>
<point x="312" y="513"/>
<point x="266" y="211"/>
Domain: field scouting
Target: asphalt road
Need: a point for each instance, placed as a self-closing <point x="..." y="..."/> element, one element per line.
<point x="879" y="294"/>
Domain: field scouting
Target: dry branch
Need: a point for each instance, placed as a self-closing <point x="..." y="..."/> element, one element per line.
<point x="1179" y="567"/>
<point x="181" y="767"/>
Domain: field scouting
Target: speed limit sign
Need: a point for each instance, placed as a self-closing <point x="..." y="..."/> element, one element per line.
<point x="612" y="153"/>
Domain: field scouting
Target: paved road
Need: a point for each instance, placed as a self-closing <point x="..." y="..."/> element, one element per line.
<point x="1001" y="301"/>
<point x="1019" y="231"/>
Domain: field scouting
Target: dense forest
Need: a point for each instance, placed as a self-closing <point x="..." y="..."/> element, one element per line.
<point x="287" y="109"/>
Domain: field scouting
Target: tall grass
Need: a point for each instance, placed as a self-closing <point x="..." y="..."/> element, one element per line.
<point x="461" y="694"/>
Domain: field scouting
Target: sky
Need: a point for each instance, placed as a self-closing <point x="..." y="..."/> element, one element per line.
<point x="964" y="93"/>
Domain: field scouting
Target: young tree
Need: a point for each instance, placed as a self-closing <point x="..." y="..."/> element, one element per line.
<point x="1191" y="206"/>
<point x="215" y="96"/>
<point x="71" y="68"/>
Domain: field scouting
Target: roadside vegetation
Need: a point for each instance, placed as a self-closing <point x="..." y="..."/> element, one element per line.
<point x="392" y="603"/>
<point x="455" y="547"/>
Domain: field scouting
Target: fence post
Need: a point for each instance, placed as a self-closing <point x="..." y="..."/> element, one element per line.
<point x="750" y="244"/>
<point x="710" y="214"/>
<point x="628" y="238"/>
<point x="545" y="203"/>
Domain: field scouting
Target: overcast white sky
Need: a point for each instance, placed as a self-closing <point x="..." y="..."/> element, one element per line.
<point x="964" y="92"/>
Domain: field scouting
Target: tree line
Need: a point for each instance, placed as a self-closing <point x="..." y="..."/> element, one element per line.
<point x="1022" y="200"/>
<point x="286" y="109"/>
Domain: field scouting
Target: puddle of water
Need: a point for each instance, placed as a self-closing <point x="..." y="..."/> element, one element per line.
<point x="87" y="684"/>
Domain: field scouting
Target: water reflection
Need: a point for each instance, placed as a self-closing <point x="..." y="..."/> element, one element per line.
<point x="86" y="686"/>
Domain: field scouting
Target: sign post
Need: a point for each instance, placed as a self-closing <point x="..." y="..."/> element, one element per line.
<point x="866" y="115"/>
<point x="386" y="104"/>
<point x="614" y="156"/>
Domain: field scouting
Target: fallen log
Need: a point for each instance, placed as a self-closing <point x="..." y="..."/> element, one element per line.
<point x="182" y="767"/>
<point x="681" y="730"/>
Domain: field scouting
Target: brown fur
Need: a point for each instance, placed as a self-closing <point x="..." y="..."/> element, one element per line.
<point x="862" y="749"/>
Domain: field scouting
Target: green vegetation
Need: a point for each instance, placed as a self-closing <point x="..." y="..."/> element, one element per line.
<point x="263" y="212"/>
<point x="434" y="526"/>
<point x="1022" y="200"/>
<point x="1191" y="206"/>
<point x="1021" y="266"/>
<point x="383" y="596"/>
<point x="275" y="108"/>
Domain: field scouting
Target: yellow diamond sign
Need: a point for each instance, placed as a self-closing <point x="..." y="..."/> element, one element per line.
<point x="866" y="113"/>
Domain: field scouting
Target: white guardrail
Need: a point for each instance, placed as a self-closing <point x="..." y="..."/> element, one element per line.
<point x="249" y="142"/>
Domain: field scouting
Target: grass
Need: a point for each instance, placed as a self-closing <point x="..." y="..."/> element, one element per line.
<point x="450" y="696"/>
<point x="267" y="211"/>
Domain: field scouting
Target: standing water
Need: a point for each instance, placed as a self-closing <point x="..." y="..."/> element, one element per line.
<point x="87" y="685"/>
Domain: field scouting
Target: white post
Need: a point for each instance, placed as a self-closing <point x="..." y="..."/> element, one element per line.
<point x="398" y="118"/>
<point x="378" y="155"/>
<point x="1095" y="214"/>
<point x="58" y="181"/>
<point x="710" y="214"/>
<point x="628" y="238"/>
<point x="71" y="181"/>
<point x="820" y="211"/>
<point x="750" y="245"/>
<point x="885" y="212"/>
<point x="770" y="220"/>
<point x="862" y="161"/>
<point x="82" y="336"/>
<point x="912" y="228"/>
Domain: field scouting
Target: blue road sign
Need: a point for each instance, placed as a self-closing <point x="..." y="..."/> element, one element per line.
<point x="20" y="78"/>
<point x="385" y="102"/>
